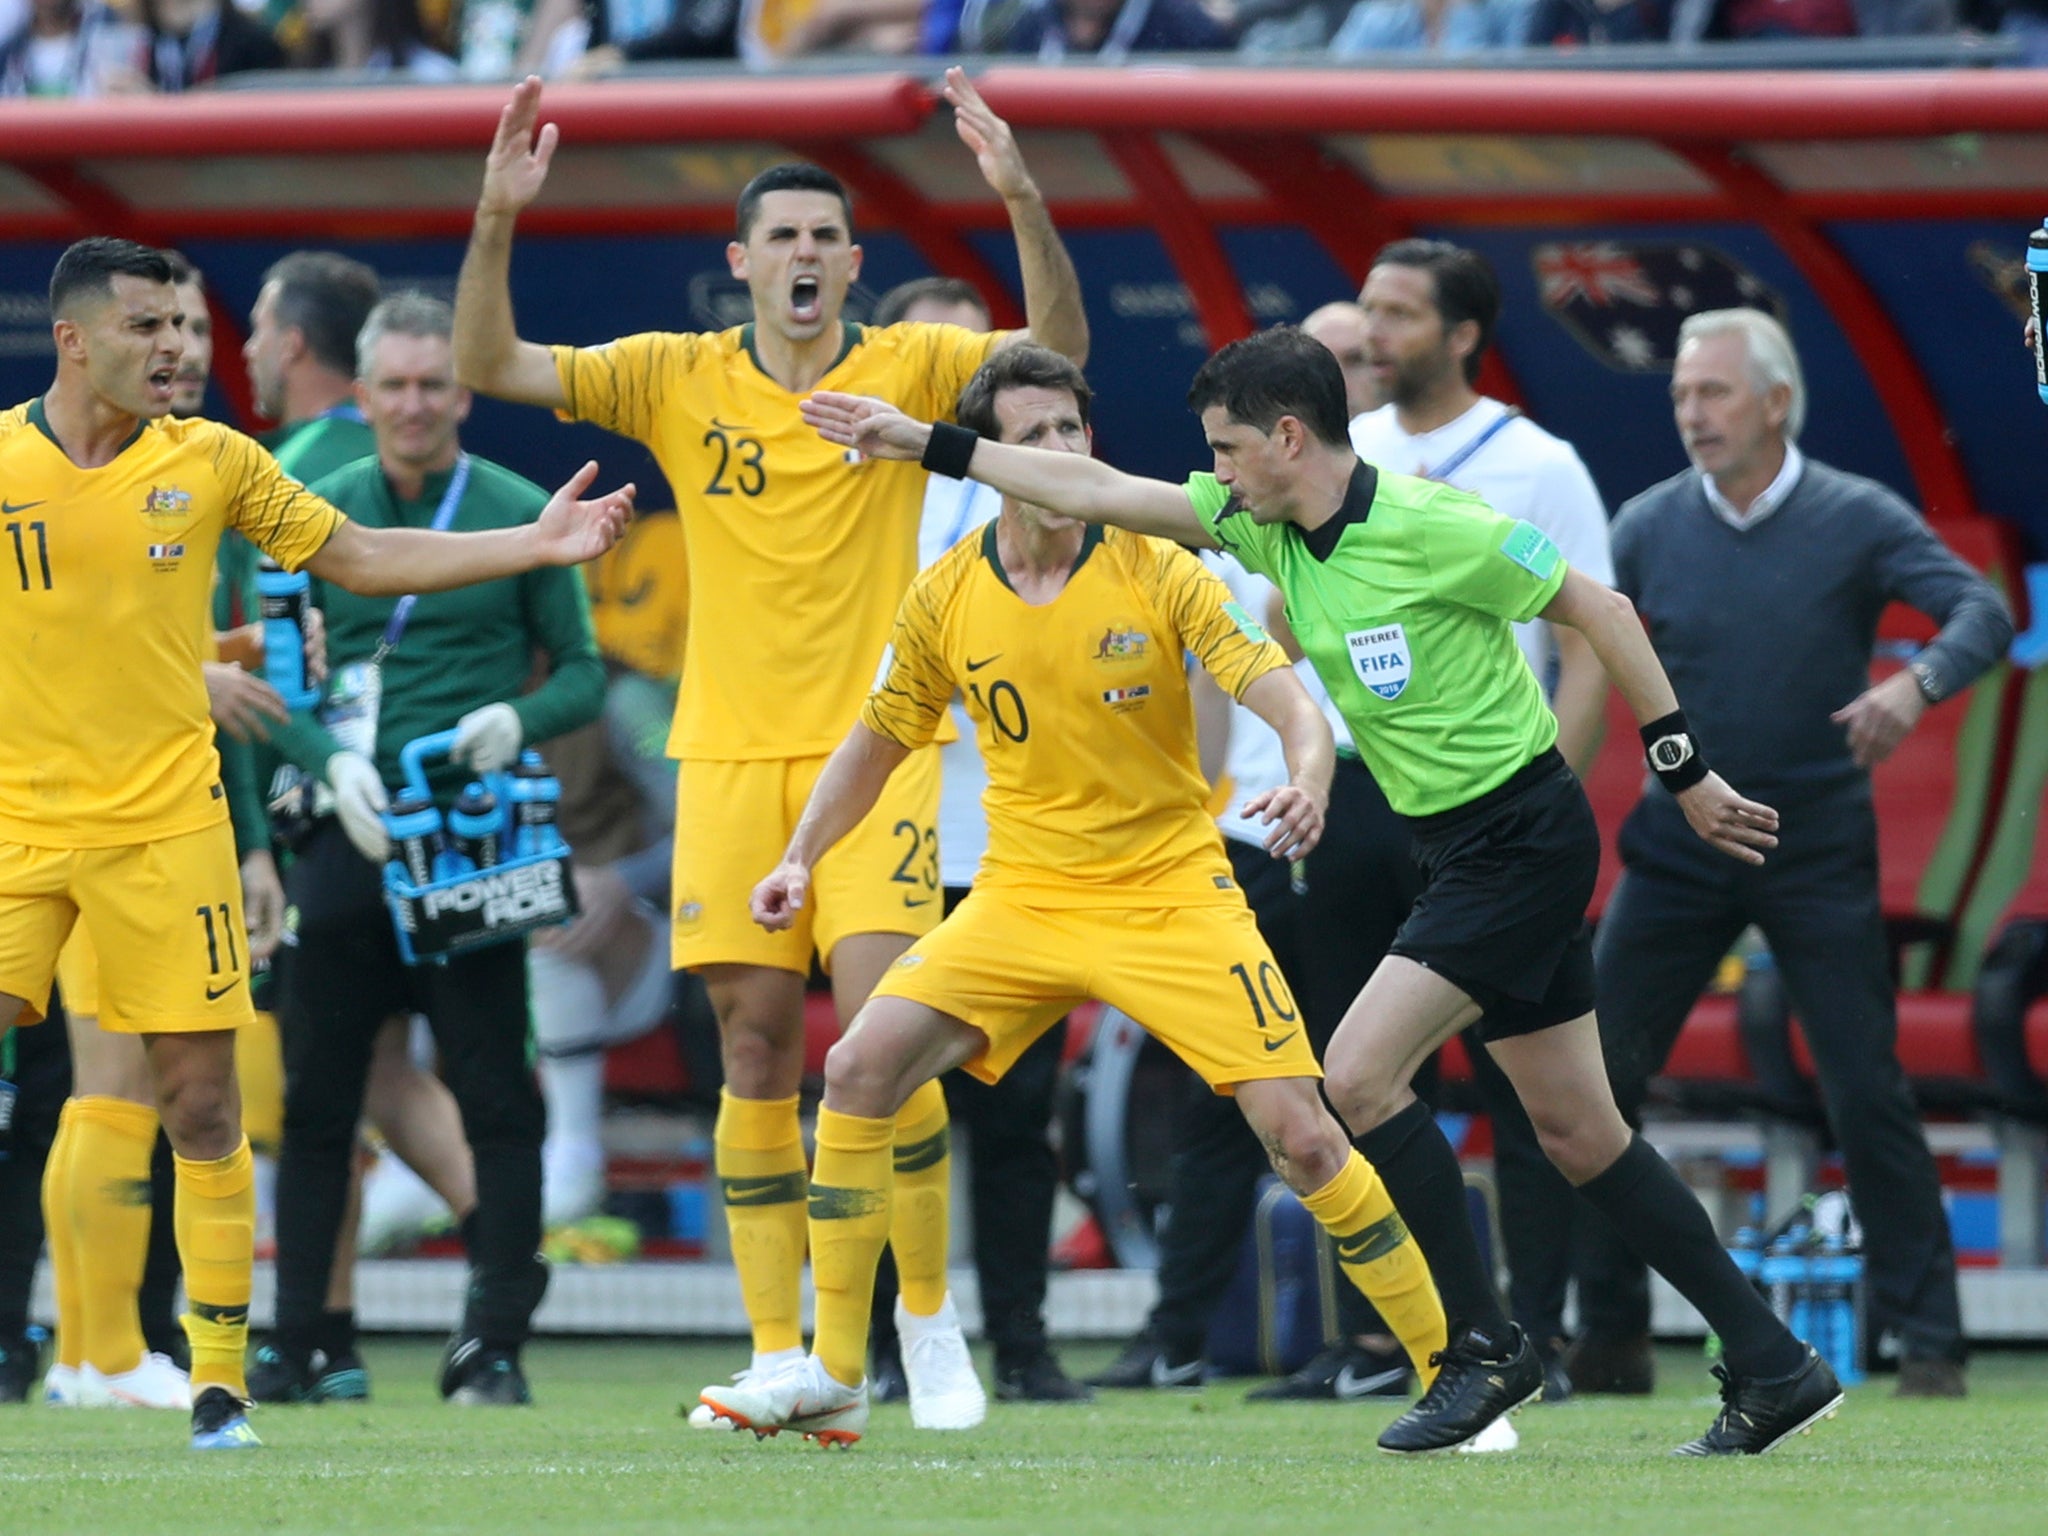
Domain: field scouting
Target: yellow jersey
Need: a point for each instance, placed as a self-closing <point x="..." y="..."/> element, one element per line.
<point x="639" y="596"/>
<point x="1081" y="708"/>
<point x="799" y="551"/>
<point x="105" y="582"/>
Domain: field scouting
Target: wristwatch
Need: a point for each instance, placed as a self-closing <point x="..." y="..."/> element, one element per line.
<point x="1668" y="754"/>
<point x="1929" y="681"/>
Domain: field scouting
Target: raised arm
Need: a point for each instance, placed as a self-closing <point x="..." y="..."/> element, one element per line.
<point x="1052" y="290"/>
<point x="1065" y="483"/>
<point x="1738" y="827"/>
<point x="387" y="562"/>
<point x="847" y="789"/>
<point x="489" y="356"/>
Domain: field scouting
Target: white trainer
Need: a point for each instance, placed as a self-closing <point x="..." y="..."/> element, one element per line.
<point x="155" y="1383"/>
<point x="63" y="1387"/>
<point x="702" y="1415"/>
<point x="1500" y="1435"/>
<point x="803" y="1397"/>
<point x="944" y="1391"/>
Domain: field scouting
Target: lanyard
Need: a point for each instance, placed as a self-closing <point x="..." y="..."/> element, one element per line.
<point x="345" y="411"/>
<point x="1443" y="472"/>
<point x="444" y="514"/>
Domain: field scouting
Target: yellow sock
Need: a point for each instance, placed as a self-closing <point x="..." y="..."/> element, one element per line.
<point x="216" y="1224"/>
<point x="63" y="1241"/>
<point x="111" y="1143"/>
<point x="918" y="1220"/>
<point x="849" y="1209"/>
<point x="1381" y="1259"/>
<point x="760" y="1153"/>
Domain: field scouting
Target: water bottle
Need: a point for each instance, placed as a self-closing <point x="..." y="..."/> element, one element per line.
<point x="535" y="795"/>
<point x="475" y="826"/>
<point x="2037" y="264"/>
<point x="281" y="596"/>
<point x="415" y="828"/>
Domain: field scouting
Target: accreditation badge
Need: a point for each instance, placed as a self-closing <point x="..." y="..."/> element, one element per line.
<point x="354" y="694"/>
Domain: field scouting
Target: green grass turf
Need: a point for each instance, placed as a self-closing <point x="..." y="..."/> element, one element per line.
<point x="605" y="1452"/>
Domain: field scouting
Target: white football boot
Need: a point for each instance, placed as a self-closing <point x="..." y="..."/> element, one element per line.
<point x="155" y="1383"/>
<point x="802" y="1397"/>
<point x="702" y="1416"/>
<point x="944" y="1391"/>
<point x="64" y="1387"/>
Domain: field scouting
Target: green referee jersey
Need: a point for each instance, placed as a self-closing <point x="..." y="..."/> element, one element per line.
<point x="1404" y="601"/>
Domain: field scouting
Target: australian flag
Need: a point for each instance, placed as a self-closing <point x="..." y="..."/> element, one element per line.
<point x="1623" y="301"/>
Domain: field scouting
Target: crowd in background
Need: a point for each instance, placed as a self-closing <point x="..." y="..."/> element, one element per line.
<point x="103" y="47"/>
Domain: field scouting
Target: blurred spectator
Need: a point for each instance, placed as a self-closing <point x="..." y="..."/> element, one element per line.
<point x="1568" y="23"/>
<point x="1436" y="26"/>
<point x="773" y="30"/>
<point x="1052" y="29"/>
<point x="374" y="37"/>
<point x="619" y="33"/>
<point x="2026" y="20"/>
<point x="68" y="48"/>
<point x="1286" y="26"/>
<point x="1779" y="20"/>
<point x="195" y="42"/>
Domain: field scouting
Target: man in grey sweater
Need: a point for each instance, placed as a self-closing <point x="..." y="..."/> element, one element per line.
<point x="1761" y="575"/>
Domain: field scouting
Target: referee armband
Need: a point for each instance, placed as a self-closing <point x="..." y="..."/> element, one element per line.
<point x="1673" y="753"/>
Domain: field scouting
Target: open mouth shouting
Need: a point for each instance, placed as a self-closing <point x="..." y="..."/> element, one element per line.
<point x="806" y="300"/>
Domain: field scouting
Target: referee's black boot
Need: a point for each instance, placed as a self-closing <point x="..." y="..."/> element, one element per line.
<point x="20" y="1365"/>
<point x="476" y="1377"/>
<point x="281" y="1375"/>
<point x="1757" y="1416"/>
<point x="1478" y="1380"/>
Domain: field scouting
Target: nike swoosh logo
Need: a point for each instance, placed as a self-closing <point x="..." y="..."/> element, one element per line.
<point x="9" y="508"/>
<point x="927" y="901"/>
<point x="1274" y="1045"/>
<point x="1164" y="1375"/>
<point x="976" y="666"/>
<point x="1350" y="1384"/>
<point x="213" y="997"/>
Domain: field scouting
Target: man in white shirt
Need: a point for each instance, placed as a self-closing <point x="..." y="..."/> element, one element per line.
<point x="1013" y="1173"/>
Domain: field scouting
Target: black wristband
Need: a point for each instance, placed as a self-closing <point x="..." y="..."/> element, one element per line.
<point x="1673" y="754"/>
<point x="949" y="449"/>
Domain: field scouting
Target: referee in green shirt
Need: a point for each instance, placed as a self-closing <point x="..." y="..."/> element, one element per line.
<point x="456" y="660"/>
<point x="1403" y="593"/>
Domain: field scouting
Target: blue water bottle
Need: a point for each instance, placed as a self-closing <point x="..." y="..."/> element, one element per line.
<point x="282" y="602"/>
<point x="415" y="828"/>
<point x="475" y="825"/>
<point x="535" y="796"/>
<point x="2037" y="265"/>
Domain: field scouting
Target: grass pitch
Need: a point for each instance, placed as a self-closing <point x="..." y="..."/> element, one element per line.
<point x="605" y="1452"/>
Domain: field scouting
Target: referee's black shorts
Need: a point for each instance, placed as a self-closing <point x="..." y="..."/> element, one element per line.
<point x="1502" y="915"/>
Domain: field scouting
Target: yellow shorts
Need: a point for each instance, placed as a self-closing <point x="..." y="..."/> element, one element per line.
<point x="1201" y="979"/>
<point x="78" y="974"/>
<point x="165" y="920"/>
<point x="733" y="821"/>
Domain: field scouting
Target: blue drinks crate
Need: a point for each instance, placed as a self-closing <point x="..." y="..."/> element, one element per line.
<point x="512" y="898"/>
<point x="1820" y="1296"/>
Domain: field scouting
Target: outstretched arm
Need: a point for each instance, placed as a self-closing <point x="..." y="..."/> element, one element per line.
<point x="387" y="562"/>
<point x="1052" y="290"/>
<point x="1738" y="827"/>
<point x="847" y="789"/>
<point x="1066" y="483"/>
<point x="489" y="356"/>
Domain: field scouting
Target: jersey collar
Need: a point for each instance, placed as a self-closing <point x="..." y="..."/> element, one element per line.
<point x="1354" y="509"/>
<point x="1091" y="537"/>
<point x="849" y="338"/>
<point x="40" y="420"/>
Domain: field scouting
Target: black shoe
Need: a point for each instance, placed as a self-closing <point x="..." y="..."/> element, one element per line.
<point x="276" y="1377"/>
<point x="1343" y="1373"/>
<point x="220" y="1422"/>
<point x="476" y="1377"/>
<point x="1931" y="1376"/>
<point x="20" y="1367"/>
<point x="886" y="1381"/>
<point x="1557" y="1381"/>
<point x="1616" y="1367"/>
<point x="1147" y="1364"/>
<point x="1757" y="1416"/>
<point x="339" y="1379"/>
<point x="1038" y="1378"/>
<point x="1476" y="1382"/>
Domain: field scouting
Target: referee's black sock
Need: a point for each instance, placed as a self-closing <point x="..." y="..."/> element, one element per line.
<point x="1665" y="1224"/>
<point x="1421" y="1172"/>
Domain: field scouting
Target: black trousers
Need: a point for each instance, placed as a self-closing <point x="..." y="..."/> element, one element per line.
<point x="42" y="1076"/>
<point x="1361" y="881"/>
<point x="340" y="983"/>
<point x="1013" y="1175"/>
<point x="1679" y="907"/>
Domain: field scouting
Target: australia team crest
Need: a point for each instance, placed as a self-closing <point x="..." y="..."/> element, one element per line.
<point x="1380" y="658"/>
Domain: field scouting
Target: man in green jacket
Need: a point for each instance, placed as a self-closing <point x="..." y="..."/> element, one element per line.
<point x="401" y="670"/>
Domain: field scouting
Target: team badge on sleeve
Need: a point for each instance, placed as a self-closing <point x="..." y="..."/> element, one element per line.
<point x="1380" y="658"/>
<point x="1528" y="547"/>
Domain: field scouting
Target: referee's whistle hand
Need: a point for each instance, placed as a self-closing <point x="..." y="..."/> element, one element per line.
<point x="1294" y="817"/>
<point x="1740" y="828"/>
<point x="777" y="900"/>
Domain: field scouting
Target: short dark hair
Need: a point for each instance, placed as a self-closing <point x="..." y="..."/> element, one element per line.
<point x="1023" y="366"/>
<point x="792" y="176"/>
<point x="88" y="268"/>
<point x="325" y="297"/>
<point x="904" y="297"/>
<point x="1466" y="288"/>
<point x="1281" y="372"/>
<point x="182" y="270"/>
